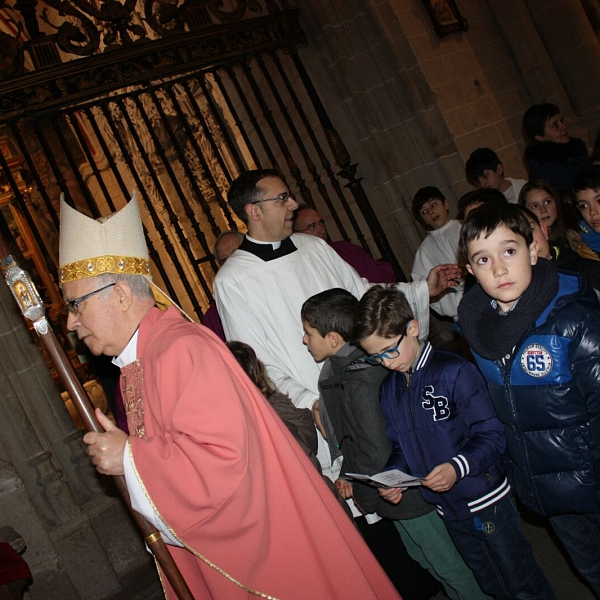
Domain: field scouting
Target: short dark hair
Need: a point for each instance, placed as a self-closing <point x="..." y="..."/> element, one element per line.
<point x="422" y="197"/>
<point x="535" y="117"/>
<point x="482" y="196"/>
<point x="528" y="213"/>
<point x="301" y="208"/>
<point x="587" y="179"/>
<point x="383" y="311"/>
<point x="487" y="218"/>
<point x="243" y="190"/>
<point x="480" y="160"/>
<point x="331" y="310"/>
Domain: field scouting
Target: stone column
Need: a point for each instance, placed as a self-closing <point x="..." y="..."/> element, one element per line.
<point x="379" y="101"/>
<point x="573" y="48"/>
<point x="533" y="60"/>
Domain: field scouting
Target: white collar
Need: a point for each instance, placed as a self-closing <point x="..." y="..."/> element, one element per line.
<point x="129" y="353"/>
<point x="274" y="244"/>
<point x="442" y="229"/>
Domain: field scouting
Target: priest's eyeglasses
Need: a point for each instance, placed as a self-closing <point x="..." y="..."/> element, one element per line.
<point x="282" y="198"/>
<point x="391" y="353"/>
<point x="314" y="226"/>
<point x="73" y="305"/>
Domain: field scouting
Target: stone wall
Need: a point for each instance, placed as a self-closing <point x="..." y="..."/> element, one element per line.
<point x="411" y="106"/>
<point x="473" y="75"/>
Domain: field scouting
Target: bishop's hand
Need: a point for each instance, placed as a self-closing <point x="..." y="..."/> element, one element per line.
<point x="106" y="449"/>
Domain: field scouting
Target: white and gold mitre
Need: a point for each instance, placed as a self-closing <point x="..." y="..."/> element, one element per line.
<point x="90" y="247"/>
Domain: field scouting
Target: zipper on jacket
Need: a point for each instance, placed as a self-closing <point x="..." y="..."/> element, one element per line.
<point x="505" y="369"/>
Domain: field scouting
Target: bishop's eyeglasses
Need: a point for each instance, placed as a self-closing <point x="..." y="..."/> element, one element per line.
<point x="73" y="305"/>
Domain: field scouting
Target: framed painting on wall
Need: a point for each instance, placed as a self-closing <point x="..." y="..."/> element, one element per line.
<point x="445" y="16"/>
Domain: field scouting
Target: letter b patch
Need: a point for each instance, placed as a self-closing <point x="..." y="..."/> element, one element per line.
<point x="438" y="404"/>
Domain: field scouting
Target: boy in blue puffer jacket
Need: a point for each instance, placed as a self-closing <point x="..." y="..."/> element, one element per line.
<point x="535" y="334"/>
<point x="444" y="430"/>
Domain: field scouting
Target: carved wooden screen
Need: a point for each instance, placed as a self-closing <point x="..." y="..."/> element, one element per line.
<point x="177" y="123"/>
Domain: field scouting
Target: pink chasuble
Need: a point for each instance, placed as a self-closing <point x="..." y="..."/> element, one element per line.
<point x="230" y="481"/>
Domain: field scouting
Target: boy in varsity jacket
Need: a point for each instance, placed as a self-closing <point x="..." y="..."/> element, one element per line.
<point x="444" y="430"/>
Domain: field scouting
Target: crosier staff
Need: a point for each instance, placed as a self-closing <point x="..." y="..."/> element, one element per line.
<point x="32" y="307"/>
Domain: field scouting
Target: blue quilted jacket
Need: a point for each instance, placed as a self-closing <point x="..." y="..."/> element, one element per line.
<point x="547" y="395"/>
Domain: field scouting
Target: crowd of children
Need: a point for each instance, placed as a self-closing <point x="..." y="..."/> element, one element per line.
<point x="519" y="422"/>
<point x="444" y="430"/>
<point x="349" y="388"/>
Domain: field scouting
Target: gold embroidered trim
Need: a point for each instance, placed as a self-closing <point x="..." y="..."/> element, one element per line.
<point x="90" y="267"/>
<point x="132" y="384"/>
<point x="162" y="583"/>
<point x="205" y="560"/>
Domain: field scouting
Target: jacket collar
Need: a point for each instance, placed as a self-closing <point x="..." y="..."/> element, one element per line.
<point x="423" y="357"/>
<point x="346" y="357"/>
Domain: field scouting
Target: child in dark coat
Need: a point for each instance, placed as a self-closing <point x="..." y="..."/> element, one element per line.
<point x="349" y="389"/>
<point x="535" y="334"/>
